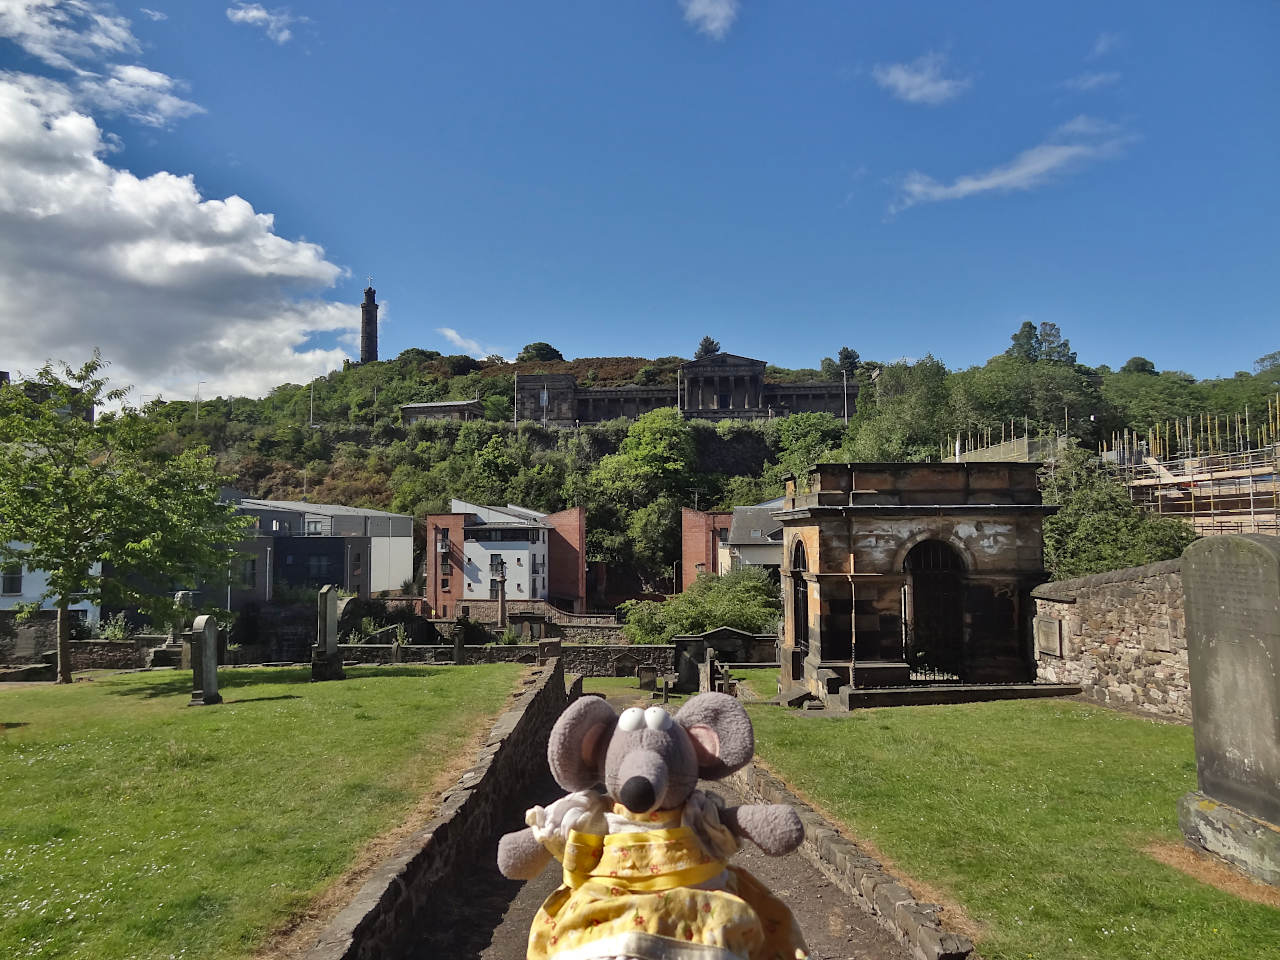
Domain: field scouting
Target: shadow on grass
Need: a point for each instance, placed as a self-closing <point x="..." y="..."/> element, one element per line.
<point x="14" y="724"/>
<point x="283" y="696"/>
<point x="229" y="679"/>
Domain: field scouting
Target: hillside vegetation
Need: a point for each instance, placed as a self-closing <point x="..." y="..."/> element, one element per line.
<point x="634" y="477"/>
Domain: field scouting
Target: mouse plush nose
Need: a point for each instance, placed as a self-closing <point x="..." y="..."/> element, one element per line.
<point x="637" y="795"/>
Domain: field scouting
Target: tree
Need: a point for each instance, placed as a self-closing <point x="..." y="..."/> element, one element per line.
<point x="1098" y="527"/>
<point x="1267" y="361"/>
<point x="745" y="599"/>
<point x="541" y="350"/>
<point x="1026" y="343"/>
<point x="830" y="369"/>
<point x="848" y="360"/>
<point x="1138" y="365"/>
<point x="1054" y="348"/>
<point x="706" y="348"/>
<point x="98" y="507"/>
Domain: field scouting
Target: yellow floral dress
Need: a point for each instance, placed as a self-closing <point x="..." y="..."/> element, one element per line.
<point x="653" y="887"/>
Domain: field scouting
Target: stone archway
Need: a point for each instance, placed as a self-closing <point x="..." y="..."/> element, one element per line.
<point x="800" y="596"/>
<point x="933" y="610"/>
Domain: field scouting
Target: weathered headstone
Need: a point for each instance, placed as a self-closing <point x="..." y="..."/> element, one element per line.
<point x="548" y="650"/>
<point x="459" y="643"/>
<point x="624" y="665"/>
<point x="648" y="675"/>
<point x="326" y="661"/>
<point x="1232" y="586"/>
<point x="204" y="662"/>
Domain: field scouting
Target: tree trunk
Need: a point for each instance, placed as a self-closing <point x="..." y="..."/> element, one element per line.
<point x="64" y="643"/>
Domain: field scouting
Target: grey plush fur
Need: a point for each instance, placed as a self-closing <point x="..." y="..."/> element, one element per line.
<point x="650" y="769"/>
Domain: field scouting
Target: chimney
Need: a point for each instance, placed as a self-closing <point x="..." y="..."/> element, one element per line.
<point x="369" y="326"/>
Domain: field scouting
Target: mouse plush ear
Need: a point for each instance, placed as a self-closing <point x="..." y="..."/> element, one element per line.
<point x="578" y="741"/>
<point x="721" y="733"/>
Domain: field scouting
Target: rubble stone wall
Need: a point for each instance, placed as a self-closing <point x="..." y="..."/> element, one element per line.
<point x="1120" y="635"/>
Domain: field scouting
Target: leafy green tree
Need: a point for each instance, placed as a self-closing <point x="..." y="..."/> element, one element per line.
<point x="830" y="369"/>
<point x="1054" y="348"/>
<point x="1026" y="343"/>
<point x="97" y="506"/>
<point x="540" y="350"/>
<point x="1098" y="527"/>
<point x="1138" y="365"/>
<point x="706" y="348"/>
<point x="1268" y="361"/>
<point x="745" y="599"/>
<point x="848" y="360"/>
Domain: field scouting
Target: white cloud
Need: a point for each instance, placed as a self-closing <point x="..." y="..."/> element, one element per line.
<point x="60" y="32"/>
<point x="1069" y="147"/>
<point x="173" y="287"/>
<point x="156" y="15"/>
<point x="712" y="17"/>
<point x="1105" y="43"/>
<point x="145" y="95"/>
<point x="466" y="344"/>
<point x="275" y="22"/>
<point x="1089" y="81"/>
<point x="920" y="81"/>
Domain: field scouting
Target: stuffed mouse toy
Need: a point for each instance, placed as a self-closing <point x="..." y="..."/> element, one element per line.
<point x="646" y="875"/>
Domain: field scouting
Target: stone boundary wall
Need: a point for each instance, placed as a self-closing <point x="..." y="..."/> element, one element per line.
<point x="863" y="878"/>
<point x="588" y="660"/>
<point x="388" y="913"/>
<point x="486" y="611"/>
<point x="1120" y="635"/>
<point x="111" y="654"/>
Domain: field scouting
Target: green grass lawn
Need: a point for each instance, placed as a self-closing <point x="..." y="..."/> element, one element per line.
<point x="1030" y="814"/>
<point x="133" y="826"/>
<point x="763" y="681"/>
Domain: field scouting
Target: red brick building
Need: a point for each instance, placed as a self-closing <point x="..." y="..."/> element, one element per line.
<point x="701" y="533"/>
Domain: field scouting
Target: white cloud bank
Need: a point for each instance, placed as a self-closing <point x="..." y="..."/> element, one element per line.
<point x="173" y="287"/>
<point x="920" y="81"/>
<point x="153" y="15"/>
<point x="275" y="22"/>
<point x="466" y="344"/>
<point x="711" y="17"/>
<point x="1069" y="147"/>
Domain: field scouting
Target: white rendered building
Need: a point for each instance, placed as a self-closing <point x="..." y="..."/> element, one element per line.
<point x="514" y="535"/>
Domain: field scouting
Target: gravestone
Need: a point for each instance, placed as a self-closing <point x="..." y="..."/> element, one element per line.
<point x="204" y="662"/>
<point x="648" y="675"/>
<point x="1232" y="587"/>
<point x="548" y="650"/>
<point x="624" y="665"/>
<point x="326" y="661"/>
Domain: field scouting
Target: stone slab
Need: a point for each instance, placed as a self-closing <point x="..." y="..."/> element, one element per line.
<point x="1048" y="636"/>
<point x="1232" y="588"/>
<point x="1251" y="844"/>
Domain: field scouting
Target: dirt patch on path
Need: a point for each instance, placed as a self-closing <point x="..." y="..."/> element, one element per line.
<point x="1217" y="874"/>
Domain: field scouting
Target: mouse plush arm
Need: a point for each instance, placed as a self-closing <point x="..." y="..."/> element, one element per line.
<point x="521" y="856"/>
<point x="773" y="827"/>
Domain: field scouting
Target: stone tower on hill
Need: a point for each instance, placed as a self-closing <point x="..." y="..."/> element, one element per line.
<point x="369" y="326"/>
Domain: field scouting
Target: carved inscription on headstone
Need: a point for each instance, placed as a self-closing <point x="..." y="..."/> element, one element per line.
<point x="1048" y="636"/>
<point x="1232" y="586"/>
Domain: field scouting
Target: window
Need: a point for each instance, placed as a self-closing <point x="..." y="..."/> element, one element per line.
<point x="313" y="528"/>
<point x="249" y="572"/>
<point x="444" y="584"/>
<point x="495" y="563"/>
<point x="755" y="534"/>
<point x="493" y="589"/>
<point x="11" y="580"/>
<point x="446" y="567"/>
<point x="317" y="567"/>
<point x="723" y="535"/>
<point x="355" y="563"/>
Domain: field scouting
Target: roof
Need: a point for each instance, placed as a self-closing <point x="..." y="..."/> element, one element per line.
<point x="439" y="404"/>
<point x="508" y="516"/>
<point x="719" y="358"/>
<point x="320" y="509"/>
<point x="758" y="519"/>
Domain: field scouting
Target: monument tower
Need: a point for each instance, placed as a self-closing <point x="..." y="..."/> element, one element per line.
<point x="369" y="326"/>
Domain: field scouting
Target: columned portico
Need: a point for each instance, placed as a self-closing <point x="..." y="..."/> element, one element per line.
<point x="722" y="385"/>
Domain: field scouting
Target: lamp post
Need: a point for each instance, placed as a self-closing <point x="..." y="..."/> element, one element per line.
<point x="198" y="386"/>
<point x="502" y="593"/>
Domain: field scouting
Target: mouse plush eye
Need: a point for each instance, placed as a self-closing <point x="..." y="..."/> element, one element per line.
<point x="632" y="719"/>
<point x="655" y="718"/>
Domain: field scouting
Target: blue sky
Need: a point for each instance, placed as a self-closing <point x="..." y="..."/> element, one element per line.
<point x="623" y="177"/>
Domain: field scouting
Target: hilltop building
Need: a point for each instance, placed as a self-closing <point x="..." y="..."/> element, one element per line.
<point x="543" y="557"/>
<point x="718" y="387"/>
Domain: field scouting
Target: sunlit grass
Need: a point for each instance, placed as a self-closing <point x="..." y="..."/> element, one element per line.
<point x="134" y="826"/>
<point x="1032" y="815"/>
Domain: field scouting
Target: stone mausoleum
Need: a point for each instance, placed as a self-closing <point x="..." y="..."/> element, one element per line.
<point x="717" y="387"/>
<point x="896" y="573"/>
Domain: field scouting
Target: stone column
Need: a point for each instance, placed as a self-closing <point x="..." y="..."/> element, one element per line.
<point x="204" y="680"/>
<point x="326" y="661"/>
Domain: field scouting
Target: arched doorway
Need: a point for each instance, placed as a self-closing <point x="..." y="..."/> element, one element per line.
<point x="933" y="610"/>
<point x="800" y="597"/>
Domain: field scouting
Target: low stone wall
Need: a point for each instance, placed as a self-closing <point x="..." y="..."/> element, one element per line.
<point x="109" y="654"/>
<point x="863" y="878"/>
<point x="589" y="660"/>
<point x="388" y="914"/>
<point x="486" y="611"/>
<point x="1118" y="635"/>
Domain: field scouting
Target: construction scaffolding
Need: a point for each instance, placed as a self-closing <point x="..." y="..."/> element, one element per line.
<point x="1232" y="492"/>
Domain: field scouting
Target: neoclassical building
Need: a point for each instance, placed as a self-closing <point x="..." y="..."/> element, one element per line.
<point x="900" y="570"/>
<point x="717" y="387"/>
